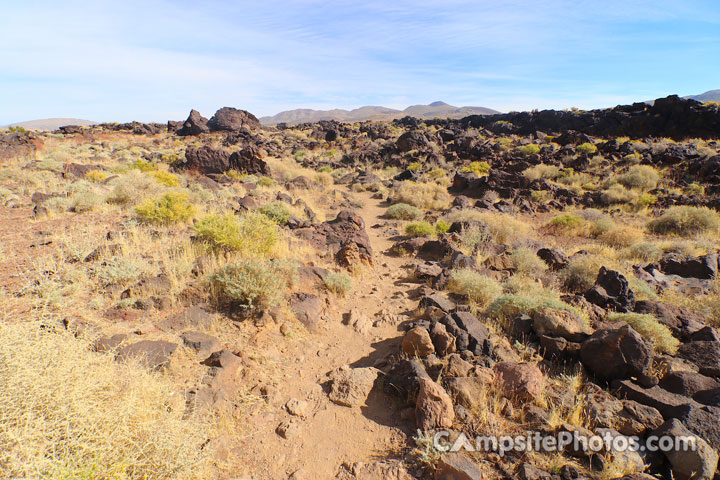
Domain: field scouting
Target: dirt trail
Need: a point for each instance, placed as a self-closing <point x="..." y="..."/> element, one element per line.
<point x="332" y="435"/>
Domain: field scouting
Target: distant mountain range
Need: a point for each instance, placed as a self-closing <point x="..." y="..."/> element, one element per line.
<point x="709" y="96"/>
<point x="51" y="123"/>
<point x="434" y="110"/>
<point x="303" y="115"/>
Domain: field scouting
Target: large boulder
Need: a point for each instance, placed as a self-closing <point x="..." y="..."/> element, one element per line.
<point x="194" y="125"/>
<point x="417" y="342"/>
<point x="617" y="353"/>
<point x="154" y="354"/>
<point x="704" y="267"/>
<point x="521" y="381"/>
<point x="703" y="353"/>
<point x="433" y="409"/>
<point x="696" y="460"/>
<point x="209" y="160"/>
<point x="229" y="119"/>
<point x="611" y="291"/>
<point x="412" y="140"/>
<point x="347" y="227"/>
<point x="681" y="321"/>
<point x="560" y="323"/>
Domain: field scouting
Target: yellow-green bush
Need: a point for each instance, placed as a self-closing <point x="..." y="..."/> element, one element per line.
<point x="96" y="175"/>
<point x="422" y="195"/>
<point x="403" y="211"/>
<point x="166" y="178"/>
<point x="255" y="284"/>
<point x="251" y="235"/>
<point x="173" y="207"/>
<point x="419" y="229"/>
<point x="338" y="283"/>
<point x="479" y="168"/>
<point x="527" y="150"/>
<point x="278" y="212"/>
<point x="586" y="148"/>
<point x="479" y="288"/>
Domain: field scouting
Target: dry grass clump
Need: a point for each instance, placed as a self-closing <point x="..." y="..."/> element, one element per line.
<point x="685" y="221"/>
<point x="527" y="262"/>
<point x="338" y="283"/>
<point x="278" y="212"/>
<point x="251" y="235"/>
<point x="550" y="172"/>
<point x="581" y="272"/>
<point x="646" y="251"/>
<point x="254" y="284"/>
<point x="403" y="211"/>
<point x="649" y="327"/>
<point x="479" y="288"/>
<point x="67" y="412"/>
<point x="639" y="176"/>
<point x="430" y="196"/>
<point x="622" y="236"/>
<point x="498" y="227"/>
<point x="616" y="193"/>
<point x="566" y="222"/>
<point x="132" y="187"/>
<point x="173" y="207"/>
<point x="506" y="307"/>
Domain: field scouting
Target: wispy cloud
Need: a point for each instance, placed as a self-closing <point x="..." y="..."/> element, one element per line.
<point x="153" y="60"/>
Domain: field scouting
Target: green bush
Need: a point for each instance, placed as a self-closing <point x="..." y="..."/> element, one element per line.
<point x="419" y="229"/>
<point x="338" y="283"/>
<point x="479" y="288"/>
<point x="255" y="284"/>
<point x="403" y="211"/>
<point x="173" y="207"/>
<point x="415" y="166"/>
<point x="639" y="176"/>
<point x="441" y="226"/>
<point x="278" y="212"/>
<point x="586" y="148"/>
<point x="527" y="150"/>
<point x="251" y="235"/>
<point x="649" y="327"/>
<point x="580" y="273"/>
<point x="645" y="250"/>
<point x="479" y="168"/>
<point x="506" y="307"/>
<point x="96" y="175"/>
<point x="265" y="181"/>
<point x="683" y="220"/>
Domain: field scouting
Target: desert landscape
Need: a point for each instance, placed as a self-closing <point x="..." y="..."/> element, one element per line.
<point x="216" y="298"/>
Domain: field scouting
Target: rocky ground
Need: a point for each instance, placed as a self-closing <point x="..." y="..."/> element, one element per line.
<point x="217" y="299"/>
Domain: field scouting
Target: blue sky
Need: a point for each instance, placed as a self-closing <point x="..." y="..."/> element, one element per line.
<point x="153" y="60"/>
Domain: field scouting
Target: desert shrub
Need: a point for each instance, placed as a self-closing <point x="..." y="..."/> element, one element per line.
<point x="255" y="284"/>
<point x="645" y="251"/>
<point x="586" y="148"/>
<point x="645" y="200"/>
<point x="479" y="288"/>
<point x="251" y="235"/>
<point x="265" y="181"/>
<point x="166" y="178"/>
<point x="132" y="188"/>
<point x="550" y="172"/>
<point x="338" y="283"/>
<point x="565" y="222"/>
<point x="639" y="176"/>
<point x="323" y="178"/>
<point x="414" y="166"/>
<point x="695" y="189"/>
<point x="649" y="327"/>
<point x="84" y="202"/>
<point x="527" y="262"/>
<point x="600" y="226"/>
<point x="96" y="175"/>
<point x="580" y="273"/>
<point x="173" y="207"/>
<point x="441" y="226"/>
<point x="641" y="289"/>
<point x="143" y="165"/>
<point x="540" y="196"/>
<point x="325" y="169"/>
<point x="479" y="168"/>
<point x="622" y="236"/>
<point x="120" y="271"/>
<point x="498" y="227"/>
<point x="617" y="193"/>
<point x="506" y="307"/>
<point x="278" y="212"/>
<point x="69" y="413"/>
<point x="419" y="229"/>
<point x="170" y="158"/>
<point x="403" y="211"/>
<point x="527" y="150"/>
<point x="422" y="195"/>
<point x="684" y="220"/>
<point x="437" y="174"/>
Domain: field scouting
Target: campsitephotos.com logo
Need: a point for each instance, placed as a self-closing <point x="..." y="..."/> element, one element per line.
<point x="445" y="441"/>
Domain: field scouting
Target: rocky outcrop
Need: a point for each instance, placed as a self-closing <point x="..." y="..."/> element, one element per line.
<point x="208" y="160"/>
<point x="194" y="125"/>
<point x="230" y="119"/>
<point x="617" y="353"/>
